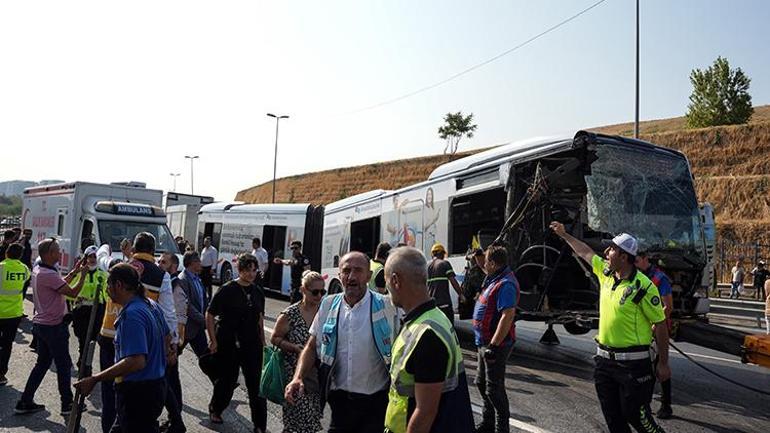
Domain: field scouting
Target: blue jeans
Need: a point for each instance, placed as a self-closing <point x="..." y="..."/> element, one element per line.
<point x="53" y="346"/>
<point x="106" y="360"/>
<point x="734" y="289"/>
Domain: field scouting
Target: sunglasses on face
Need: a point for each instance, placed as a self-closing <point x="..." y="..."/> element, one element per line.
<point x="318" y="292"/>
<point x="294" y="248"/>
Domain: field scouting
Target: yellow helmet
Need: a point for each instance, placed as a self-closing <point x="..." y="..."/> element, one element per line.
<point x="437" y="248"/>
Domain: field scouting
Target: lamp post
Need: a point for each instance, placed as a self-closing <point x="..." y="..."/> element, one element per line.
<point x="275" y="154"/>
<point x="173" y="177"/>
<point x="191" y="158"/>
<point x="636" y="113"/>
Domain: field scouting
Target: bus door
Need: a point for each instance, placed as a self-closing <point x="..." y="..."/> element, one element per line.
<point x="274" y="241"/>
<point x="212" y="230"/>
<point x="365" y="235"/>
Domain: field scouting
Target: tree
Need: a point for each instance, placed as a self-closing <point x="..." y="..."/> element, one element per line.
<point x="719" y="97"/>
<point x="456" y="126"/>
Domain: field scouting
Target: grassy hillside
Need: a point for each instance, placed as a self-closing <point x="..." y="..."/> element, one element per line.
<point x="730" y="164"/>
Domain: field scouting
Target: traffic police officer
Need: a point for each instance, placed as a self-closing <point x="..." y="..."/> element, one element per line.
<point x="629" y="304"/>
<point x="13" y="275"/>
<point x="428" y="384"/>
<point x="93" y="294"/>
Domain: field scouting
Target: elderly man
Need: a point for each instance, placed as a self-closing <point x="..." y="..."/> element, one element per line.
<point x="428" y="385"/>
<point x="352" y="334"/>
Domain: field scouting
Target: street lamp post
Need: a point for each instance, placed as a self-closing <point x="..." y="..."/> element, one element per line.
<point x="192" y="184"/>
<point x="174" y="176"/>
<point x="275" y="153"/>
<point x="636" y="113"/>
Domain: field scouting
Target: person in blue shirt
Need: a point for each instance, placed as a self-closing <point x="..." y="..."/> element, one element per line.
<point x="495" y="332"/>
<point x="142" y="345"/>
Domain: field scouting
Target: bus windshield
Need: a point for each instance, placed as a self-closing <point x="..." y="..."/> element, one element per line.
<point x="115" y="231"/>
<point x="646" y="193"/>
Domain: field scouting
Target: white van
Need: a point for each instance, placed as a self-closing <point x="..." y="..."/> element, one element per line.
<point x="232" y="226"/>
<point x="84" y="213"/>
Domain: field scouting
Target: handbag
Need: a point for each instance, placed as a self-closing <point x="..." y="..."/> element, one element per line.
<point x="273" y="383"/>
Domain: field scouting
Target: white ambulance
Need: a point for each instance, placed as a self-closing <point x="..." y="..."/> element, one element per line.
<point x="82" y="213"/>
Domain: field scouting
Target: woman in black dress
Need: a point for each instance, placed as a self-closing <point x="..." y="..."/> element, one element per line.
<point x="235" y="325"/>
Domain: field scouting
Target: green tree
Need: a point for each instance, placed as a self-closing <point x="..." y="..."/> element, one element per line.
<point x="455" y="127"/>
<point x="720" y="96"/>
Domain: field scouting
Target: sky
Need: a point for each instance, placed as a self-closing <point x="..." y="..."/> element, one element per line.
<point x="116" y="91"/>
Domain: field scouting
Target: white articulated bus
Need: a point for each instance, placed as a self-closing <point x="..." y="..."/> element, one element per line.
<point x="597" y="185"/>
<point x="84" y="213"/>
<point x="232" y="226"/>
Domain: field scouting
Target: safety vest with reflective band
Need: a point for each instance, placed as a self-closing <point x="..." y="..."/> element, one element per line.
<point x="376" y="268"/>
<point x="151" y="277"/>
<point x="13" y="274"/>
<point x="95" y="284"/>
<point x="454" y="410"/>
<point x="382" y="328"/>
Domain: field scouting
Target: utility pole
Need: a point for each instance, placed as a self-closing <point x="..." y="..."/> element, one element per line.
<point x="192" y="183"/>
<point x="275" y="153"/>
<point x="636" y="114"/>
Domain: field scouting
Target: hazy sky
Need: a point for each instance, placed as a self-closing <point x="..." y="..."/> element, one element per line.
<point x="114" y="91"/>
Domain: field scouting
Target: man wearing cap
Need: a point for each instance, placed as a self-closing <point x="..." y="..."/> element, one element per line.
<point x="299" y="263"/>
<point x="760" y="274"/>
<point x="440" y="276"/>
<point x="93" y="293"/>
<point x="629" y="306"/>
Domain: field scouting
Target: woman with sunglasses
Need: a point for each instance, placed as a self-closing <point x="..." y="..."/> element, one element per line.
<point x="292" y="330"/>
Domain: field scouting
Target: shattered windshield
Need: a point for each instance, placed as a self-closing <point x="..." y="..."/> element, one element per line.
<point x="645" y="193"/>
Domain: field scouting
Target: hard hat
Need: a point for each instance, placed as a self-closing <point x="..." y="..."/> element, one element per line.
<point x="437" y="248"/>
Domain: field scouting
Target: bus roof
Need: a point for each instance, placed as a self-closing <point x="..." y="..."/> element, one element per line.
<point x="241" y="207"/>
<point x="355" y="199"/>
<point x="500" y="154"/>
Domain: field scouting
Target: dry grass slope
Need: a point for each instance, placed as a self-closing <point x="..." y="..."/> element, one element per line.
<point x="730" y="164"/>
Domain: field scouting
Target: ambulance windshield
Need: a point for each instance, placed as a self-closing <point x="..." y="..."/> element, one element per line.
<point x="115" y="231"/>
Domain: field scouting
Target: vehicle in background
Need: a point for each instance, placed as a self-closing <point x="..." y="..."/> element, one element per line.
<point x="232" y="226"/>
<point x="176" y="198"/>
<point x="83" y="213"/>
<point x="597" y="185"/>
<point x="183" y="220"/>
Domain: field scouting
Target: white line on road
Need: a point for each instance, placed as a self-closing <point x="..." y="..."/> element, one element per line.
<point x="514" y="422"/>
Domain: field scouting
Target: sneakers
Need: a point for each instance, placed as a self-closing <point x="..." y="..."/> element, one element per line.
<point x="66" y="408"/>
<point x="3" y="380"/>
<point x="665" y="412"/>
<point x="27" y="408"/>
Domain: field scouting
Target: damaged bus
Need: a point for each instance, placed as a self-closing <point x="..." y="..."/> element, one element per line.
<point x="597" y="185"/>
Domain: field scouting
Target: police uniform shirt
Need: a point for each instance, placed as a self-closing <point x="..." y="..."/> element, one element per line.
<point x="297" y="268"/>
<point x="622" y="322"/>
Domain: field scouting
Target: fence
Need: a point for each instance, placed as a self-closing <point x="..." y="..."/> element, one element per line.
<point x="728" y="252"/>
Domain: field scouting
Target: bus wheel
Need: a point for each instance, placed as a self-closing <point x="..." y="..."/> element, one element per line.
<point x="335" y="287"/>
<point x="226" y="274"/>
<point x="576" y="329"/>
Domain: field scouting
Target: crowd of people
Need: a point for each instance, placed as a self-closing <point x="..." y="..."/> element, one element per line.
<point x="383" y="353"/>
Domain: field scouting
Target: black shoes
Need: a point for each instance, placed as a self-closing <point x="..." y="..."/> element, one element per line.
<point x="66" y="409"/>
<point x="665" y="412"/>
<point x="27" y="408"/>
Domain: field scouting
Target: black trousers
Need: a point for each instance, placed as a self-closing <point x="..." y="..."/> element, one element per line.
<point x="249" y="361"/>
<point x="490" y="381"/>
<point x="140" y="404"/>
<point x="8" y="329"/>
<point x="80" y="318"/>
<point x="109" y="407"/>
<point x="625" y="389"/>
<point x="207" y="280"/>
<point x="357" y="413"/>
<point x="449" y="312"/>
<point x="295" y="295"/>
<point x="173" y="402"/>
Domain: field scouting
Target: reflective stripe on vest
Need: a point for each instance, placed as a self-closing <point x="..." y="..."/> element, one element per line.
<point x="13" y="275"/>
<point x="401" y="382"/>
<point x="381" y="328"/>
<point x="95" y="283"/>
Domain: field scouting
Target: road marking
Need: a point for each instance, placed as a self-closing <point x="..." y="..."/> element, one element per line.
<point x="716" y="358"/>
<point x="514" y="422"/>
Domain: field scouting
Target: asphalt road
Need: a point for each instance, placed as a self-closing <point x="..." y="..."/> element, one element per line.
<point x="550" y="390"/>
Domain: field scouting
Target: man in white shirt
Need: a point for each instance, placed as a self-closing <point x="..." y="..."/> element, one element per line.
<point x="209" y="257"/>
<point x="352" y="335"/>
<point x="262" y="262"/>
